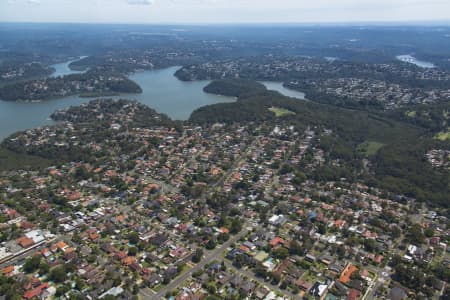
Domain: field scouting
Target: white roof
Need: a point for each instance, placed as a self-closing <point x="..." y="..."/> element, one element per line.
<point x="115" y="291"/>
<point x="4" y="253"/>
<point x="412" y="249"/>
<point x="36" y="235"/>
<point x="270" y="296"/>
<point x="274" y="218"/>
<point x="322" y="288"/>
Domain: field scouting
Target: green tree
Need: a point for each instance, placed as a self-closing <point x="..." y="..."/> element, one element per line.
<point x="322" y="228"/>
<point x="135" y="289"/>
<point x="211" y="287"/>
<point x="236" y="226"/>
<point x="415" y="234"/>
<point x="211" y="244"/>
<point x="43" y="268"/>
<point x="61" y="290"/>
<point x="276" y="278"/>
<point x="132" y="251"/>
<point x="282" y="253"/>
<point x="429" y="232"/>
<point x="133" y="237"/>
<point x="260" y="270"/>
<point x="370" y="245"/>
<point x="196" y="258"/>
<point x="58" y="274"/>
<point x="32" y="264"/>
<point x="295" y="248"/>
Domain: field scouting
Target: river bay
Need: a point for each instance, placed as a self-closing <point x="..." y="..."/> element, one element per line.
<point x="63" y="69"/>
<point x="412" y="60"/>
<point x="162" y="91"/>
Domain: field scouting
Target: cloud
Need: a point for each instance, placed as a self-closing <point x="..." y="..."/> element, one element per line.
<point x="24" y="2"/>
<point x="140" y="2"/>
<point x="222" y="11"/>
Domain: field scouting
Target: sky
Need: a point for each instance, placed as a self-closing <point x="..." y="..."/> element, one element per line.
<point x="223" y="11"/>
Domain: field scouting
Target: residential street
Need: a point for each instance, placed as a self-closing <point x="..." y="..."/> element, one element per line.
<point x="210" y="256"/>
<point x="262" y="282"/>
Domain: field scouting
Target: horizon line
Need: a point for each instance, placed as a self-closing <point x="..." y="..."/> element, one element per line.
<point x="425" y="22"/>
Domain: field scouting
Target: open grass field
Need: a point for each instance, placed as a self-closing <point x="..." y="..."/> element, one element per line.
<point x="411" y="114"/>
<point x="281" y="112"/>
<point x="443" y="135"/>
<point x="370" y="148"/>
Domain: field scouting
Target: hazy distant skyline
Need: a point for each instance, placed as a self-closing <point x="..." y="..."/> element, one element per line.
<point x="223" y="11"/>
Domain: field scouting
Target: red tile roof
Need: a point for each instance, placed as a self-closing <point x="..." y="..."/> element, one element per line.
<point x="348" y="271"/>
<point x="128" y="260"/>
<point x="35" y="292"/>
<point x="25" y="242"/>
<point x="8" y="270"/>
<point x="353" y="294"/>
<point x="276" y="241"/>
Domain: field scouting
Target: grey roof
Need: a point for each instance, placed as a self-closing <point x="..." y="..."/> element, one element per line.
<point x="397" y="293"/>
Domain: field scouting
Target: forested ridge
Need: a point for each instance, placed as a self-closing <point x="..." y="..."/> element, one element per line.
<point x="234" y="87"/>
<point x="93" y="82"/>
<point x="434" y="117"/>
<point x="399" y="166"/>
